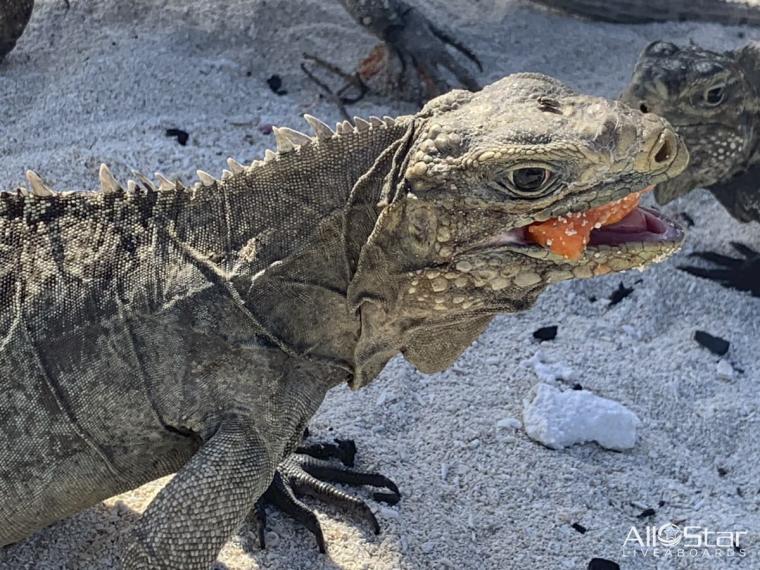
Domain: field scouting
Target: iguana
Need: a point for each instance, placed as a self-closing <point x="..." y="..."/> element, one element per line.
<point x="727" y="12"/>
<point x="145" y="331"/>
<point x="713" y="100"/>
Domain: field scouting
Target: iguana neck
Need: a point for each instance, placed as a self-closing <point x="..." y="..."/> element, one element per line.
<point x="293" y="228"/>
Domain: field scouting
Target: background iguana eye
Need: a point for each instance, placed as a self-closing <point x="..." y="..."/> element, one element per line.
<point x="714" y="95"/>
<point x="530" y="181"/>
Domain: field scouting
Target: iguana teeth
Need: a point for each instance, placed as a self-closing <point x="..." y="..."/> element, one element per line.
<point x="226" y="174"/>
<point x="108" y="184"/>
<point x="283" y="142"/>
<point x="269" y="155"/>
<point x="344" y="128"/>
<point x="297" y="138"/>
<point x="131" y="186"/>
<point x="320" y="129"/>
<point x="235" y="166"/>
<point x="38" y="186"/>
<point x="164" y="183"/>
<point x="376" y="122"/>
<point x="361" y="124"/>
<point x="205" y="178"/>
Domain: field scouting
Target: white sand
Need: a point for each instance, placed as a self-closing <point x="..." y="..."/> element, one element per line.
<point x="100" y="83"/>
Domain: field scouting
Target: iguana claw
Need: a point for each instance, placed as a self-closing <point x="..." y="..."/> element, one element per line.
<point x="741" y="273"/>
<point x="416" y="42"/>
<point x="305" y="472"/>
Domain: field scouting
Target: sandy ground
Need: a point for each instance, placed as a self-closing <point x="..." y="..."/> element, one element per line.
<point x="101" y="81"/>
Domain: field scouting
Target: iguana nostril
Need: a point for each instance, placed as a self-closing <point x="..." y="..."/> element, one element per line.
<point x="643" y="108"/>
<point x="665" y="149"/>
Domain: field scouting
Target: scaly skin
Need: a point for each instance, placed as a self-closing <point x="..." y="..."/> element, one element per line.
<point x="146" y="331"/>
<point x="14" y="15"/>
<point x="713" y="100"/>
<point x="641" y="11"/>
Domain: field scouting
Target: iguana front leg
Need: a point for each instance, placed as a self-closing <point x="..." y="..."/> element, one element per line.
<point x="189" y="521"/>
<point x="416" y="41"/>
<point x="14" y="15"/>
<point x="303" y="474"/>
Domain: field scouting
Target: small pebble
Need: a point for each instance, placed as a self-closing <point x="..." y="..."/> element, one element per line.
<point x="272" y="539"/>
<point x="511" y="423"/>
<point x="428" y="547"/>
<point x="725" y="370"/>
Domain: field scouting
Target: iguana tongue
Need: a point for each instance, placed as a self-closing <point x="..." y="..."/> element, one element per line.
<point x="569" y="235"/>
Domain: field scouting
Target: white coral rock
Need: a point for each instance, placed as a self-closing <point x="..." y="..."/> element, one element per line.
<point x="560" y="419"/>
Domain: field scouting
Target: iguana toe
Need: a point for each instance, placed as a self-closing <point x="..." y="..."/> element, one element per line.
<point x="301" y="475"/>
<point x="344" y="450"/>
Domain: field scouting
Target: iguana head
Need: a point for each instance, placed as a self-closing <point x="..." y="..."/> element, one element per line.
<point x="454" y="239"/>
<point x="709" y="98"/>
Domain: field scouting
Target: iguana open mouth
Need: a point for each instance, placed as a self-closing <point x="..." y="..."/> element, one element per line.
<point x="616" y="223"/>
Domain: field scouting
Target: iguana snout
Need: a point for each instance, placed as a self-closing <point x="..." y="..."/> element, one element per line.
<point x="709" y="98"/>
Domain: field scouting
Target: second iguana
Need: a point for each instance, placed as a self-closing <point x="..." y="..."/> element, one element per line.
<point x="713" y="100"/>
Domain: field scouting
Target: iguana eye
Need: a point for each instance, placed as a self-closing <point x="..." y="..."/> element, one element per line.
<point x="715" y="95"/>
<point x="531" y="181"/>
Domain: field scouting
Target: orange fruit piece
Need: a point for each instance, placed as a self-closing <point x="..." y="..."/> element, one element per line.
<point x="568" y="235"/>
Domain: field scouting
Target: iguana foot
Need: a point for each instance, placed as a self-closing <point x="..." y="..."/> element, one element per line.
<point x="414" y="42"/>
<point x="741" y="273"/>
<point x="301" y="474"/>
<point x="14" y="16"/>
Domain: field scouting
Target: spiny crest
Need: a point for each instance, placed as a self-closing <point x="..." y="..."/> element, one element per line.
<point x="288" y="140"/>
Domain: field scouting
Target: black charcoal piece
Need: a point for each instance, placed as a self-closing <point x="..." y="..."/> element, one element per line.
<point x="181" y="135"/>
<point x="714" y="344"/>
<point x="620" y="293"/>
<point x="275" y="84"/>
<point x="546" y="333"/>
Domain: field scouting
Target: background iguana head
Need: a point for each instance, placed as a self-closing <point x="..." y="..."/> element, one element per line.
<point x="453" y="239"/>
<point x="710" y="98"/>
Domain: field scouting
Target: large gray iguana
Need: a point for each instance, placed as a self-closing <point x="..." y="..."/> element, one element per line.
<point x="713" y="100"/>
<point x="145" y="331"/>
